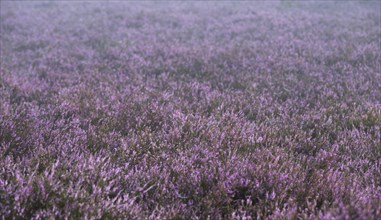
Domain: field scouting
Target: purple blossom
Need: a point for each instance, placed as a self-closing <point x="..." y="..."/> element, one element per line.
<point x="190" y="110"/>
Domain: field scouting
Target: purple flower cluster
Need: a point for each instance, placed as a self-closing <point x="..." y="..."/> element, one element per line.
<point x="190" y="110"/>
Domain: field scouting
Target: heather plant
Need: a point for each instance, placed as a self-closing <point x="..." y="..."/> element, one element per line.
<point x="190" y="110"/>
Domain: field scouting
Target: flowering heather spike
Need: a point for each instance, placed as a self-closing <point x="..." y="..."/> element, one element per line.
<point x="201" y="110"/>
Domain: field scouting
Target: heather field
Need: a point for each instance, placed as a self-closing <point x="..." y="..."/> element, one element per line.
<point x="190" y="110"/>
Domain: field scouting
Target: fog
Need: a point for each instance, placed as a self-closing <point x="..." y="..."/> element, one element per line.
<point x="190" y="110"/>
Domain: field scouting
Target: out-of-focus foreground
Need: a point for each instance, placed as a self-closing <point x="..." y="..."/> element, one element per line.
<point x="190" y="110"/>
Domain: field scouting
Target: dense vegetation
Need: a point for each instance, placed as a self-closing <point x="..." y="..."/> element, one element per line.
<point x="171" y="110"/>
